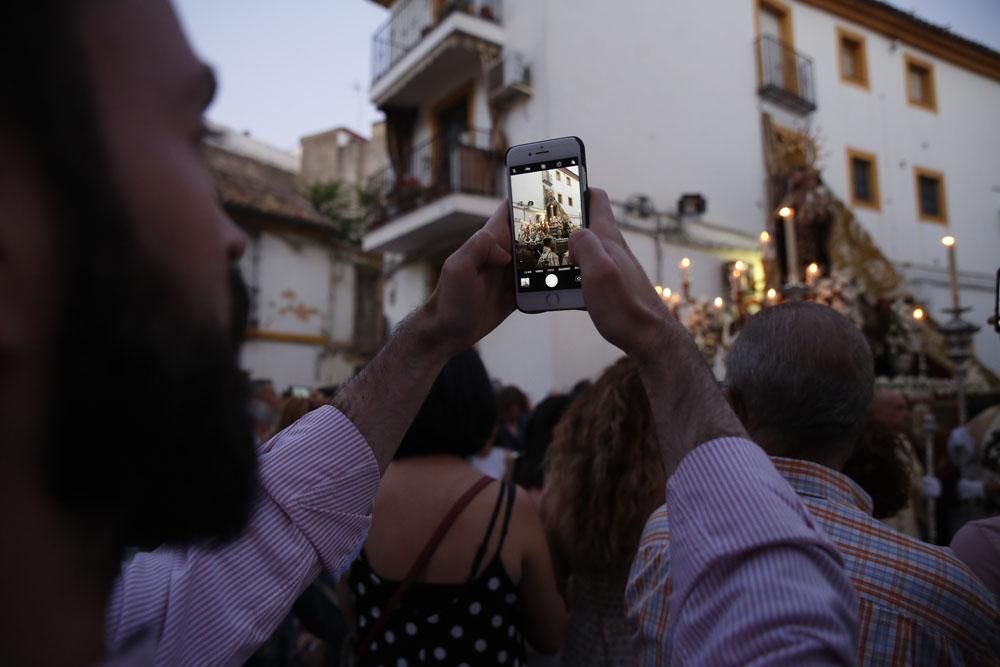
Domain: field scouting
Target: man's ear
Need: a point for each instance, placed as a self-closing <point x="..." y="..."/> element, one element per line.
<point x="736" y="403"/>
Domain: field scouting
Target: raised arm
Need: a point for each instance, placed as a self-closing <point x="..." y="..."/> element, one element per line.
<point x="216" y="604"/>
<point x="754" y="581"/>
<point x="472" y="297"/>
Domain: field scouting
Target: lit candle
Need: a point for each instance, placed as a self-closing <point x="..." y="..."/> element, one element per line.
<point x="667" y="292"/>
<point x="734" y="280"/>
<point x="765" y="243"/>
<point x="812" y="274"/>
<point x="791" y="245"/>
<point x="918" y="313"/>
<point x="718" y="302"/>
<point x="772" y="296"/>
<point x="659" y="290"/>
<point x="949" y="243"/>
<point x="685" y="267"/>
<point x="675" y="303"/>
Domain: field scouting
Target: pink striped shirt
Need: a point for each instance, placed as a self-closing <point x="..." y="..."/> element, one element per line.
<point x="755" y="582"/>
<point x="215" y="607"/>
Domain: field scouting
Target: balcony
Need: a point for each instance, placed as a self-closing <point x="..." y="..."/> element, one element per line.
<point x="428" y="45"/>
<point x="451" y="187"/>
<point x="786" y="76"/>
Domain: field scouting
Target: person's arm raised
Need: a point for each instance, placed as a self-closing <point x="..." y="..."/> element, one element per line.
<point x="689" y="407"/>
<point x="472" y="297"/>
<point x="753" y="580"/>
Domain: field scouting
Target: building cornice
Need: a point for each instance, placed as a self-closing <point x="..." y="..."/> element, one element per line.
<point x="905" y="27"/>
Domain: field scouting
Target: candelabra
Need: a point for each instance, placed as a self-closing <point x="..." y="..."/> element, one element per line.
<point x="958" y="337"/>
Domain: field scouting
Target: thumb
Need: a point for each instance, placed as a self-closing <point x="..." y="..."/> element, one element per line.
<point x="483" y="250"/>
<point x="588" y="251"/>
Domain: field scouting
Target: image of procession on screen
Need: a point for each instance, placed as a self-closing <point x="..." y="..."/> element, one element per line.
<point x="547" y="208"/>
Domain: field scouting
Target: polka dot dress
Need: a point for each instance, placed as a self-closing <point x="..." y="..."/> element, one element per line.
<point x="475" y="623"/>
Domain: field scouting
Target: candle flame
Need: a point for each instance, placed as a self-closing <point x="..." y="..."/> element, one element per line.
<point x="948" y="241"/>
<point x="813" y="268"/>
<point x="786" y="211"/>
<point x="740" y="266"/>
<point x="667" y="292"/>
<point x="718" y="302"/>
<point x="918" y="313"/>
<point x="772" y="294"/>
<point x="659" y="289"/>
<point x="685" y="263"/>
<point x="765" y="237"/>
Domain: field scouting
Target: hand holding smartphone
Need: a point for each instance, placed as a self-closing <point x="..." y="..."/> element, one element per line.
<point x="547" y="183"/>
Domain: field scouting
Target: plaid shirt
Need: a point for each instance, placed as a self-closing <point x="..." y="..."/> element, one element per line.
<point x="918" y="604"/>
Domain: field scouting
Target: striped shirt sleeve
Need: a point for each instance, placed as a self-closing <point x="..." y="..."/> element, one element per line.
<point x="754" y="580"/>
<point x="214" y="607"/>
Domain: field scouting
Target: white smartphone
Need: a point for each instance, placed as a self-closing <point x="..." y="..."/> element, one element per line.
<point x="547" y="184"/>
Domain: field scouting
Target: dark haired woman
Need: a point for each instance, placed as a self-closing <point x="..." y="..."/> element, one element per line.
<point x="456" y="568"/>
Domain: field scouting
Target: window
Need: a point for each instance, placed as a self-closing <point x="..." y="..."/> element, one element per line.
<point x="570" y="201"/>
<point x="920" y="84"/>
<point x="560" y="197"/>
<point x="853" y="58"/>
<point x="863" y="173"/>
<point x="931" y="205"/>
<point x="557" y="177"/>
<point x="776" y="59"/>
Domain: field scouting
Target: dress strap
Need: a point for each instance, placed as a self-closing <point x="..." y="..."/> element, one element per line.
<point x="481" y="551"/>
<point x="420" y="564"/>
<point x="512" y="491"/>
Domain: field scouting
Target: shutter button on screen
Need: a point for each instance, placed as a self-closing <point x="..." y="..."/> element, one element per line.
<point x="551" y="280"/>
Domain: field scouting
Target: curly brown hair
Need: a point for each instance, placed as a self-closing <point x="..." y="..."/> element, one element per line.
<point x="603" y="475"/>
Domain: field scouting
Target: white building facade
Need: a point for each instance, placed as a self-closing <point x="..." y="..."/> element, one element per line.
<point x="669" y="99"/>
<point x="315" y="301"/>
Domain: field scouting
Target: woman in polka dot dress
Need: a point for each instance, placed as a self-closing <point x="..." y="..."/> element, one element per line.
<point x="488" y="585"/>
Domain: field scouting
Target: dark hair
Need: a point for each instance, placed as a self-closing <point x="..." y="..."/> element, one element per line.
<point x="529" y="469"/>
<point x="459" y="415"/>
<point x="879" y="467"/>
<point x="804" y="376"/>
<point x="510" y="400"/>
<point x="547" y="242"/>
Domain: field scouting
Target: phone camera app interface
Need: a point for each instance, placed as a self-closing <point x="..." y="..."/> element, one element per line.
<point x="548" y="205"/>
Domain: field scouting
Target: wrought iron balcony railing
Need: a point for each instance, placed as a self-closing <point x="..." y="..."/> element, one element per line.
<point x="435" y="168"/>
<point x="412" y="20"/>
<point x="786" y="76"/>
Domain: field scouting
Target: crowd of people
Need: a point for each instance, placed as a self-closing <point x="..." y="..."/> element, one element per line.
<point x="565" y="546"/>
<point x="663" y="517"/>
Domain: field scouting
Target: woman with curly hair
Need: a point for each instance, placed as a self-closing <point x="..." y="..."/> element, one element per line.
<point x="603" y="478"/>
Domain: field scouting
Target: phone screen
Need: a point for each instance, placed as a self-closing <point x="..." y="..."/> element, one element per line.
<point x="547" y="202"/>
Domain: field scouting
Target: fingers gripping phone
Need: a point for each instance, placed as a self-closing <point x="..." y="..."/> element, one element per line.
<point x="547" y="183"/>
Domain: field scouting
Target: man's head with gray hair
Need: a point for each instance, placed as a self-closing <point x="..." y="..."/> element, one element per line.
<point x="801" y="376"/>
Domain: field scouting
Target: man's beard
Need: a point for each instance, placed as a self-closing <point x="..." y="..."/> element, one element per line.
<point x="153" y="432"/>
<point x="146" y="440"/>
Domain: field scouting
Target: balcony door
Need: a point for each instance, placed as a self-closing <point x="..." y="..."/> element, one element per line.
<point x="452" y="123"/>
<point x="777" y="57"/>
